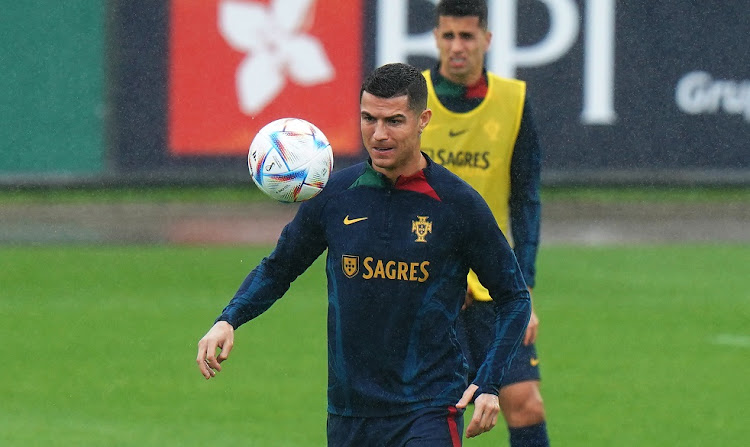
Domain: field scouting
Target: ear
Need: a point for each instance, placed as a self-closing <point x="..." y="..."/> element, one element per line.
<point x="424" y="119"/>
<point x="488" y="36"/>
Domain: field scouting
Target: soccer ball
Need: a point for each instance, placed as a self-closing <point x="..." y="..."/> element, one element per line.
<point x="290" y="160"/>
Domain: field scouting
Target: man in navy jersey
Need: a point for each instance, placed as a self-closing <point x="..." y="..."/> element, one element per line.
<point x="482" y="130"/>
<point x="402" y="233"/>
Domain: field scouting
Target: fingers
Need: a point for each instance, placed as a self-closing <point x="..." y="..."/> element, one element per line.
<point x="220" y="337"/>
<point x="224" y="354"/>
<point x="530" y="336"/>
<point x="531" y="330"/>
<point x="212" y="363"/>
<point x="466" y="398"/>
<point x="202" y="360"/>
<point x="484" y="419"/>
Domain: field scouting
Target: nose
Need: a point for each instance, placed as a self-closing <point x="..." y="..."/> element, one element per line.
<point x="380" y="133"/>
<point x="456" y="46"/>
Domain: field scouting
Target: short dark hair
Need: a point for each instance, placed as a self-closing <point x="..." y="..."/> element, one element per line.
<point x="392" y="80"/>
<point x="462" y="8"/>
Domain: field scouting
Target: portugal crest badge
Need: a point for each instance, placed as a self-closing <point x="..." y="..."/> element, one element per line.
<point x="421" y="227"/>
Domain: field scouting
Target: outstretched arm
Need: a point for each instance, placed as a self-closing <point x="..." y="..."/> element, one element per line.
<point x="299" y="245"/>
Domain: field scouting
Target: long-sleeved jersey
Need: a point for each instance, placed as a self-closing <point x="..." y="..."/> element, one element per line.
<point x="398" y="256"/>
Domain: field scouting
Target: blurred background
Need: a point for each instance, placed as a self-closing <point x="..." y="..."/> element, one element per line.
<point x="126" y="92"/>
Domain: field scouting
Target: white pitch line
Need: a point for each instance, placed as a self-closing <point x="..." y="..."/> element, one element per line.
<point x="742" y="341"/>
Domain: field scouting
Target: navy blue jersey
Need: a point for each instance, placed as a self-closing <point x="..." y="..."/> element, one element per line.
<point x="398" y="256"/>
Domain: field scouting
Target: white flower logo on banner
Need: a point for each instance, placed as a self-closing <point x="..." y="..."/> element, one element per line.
<point x="276" y="47"/>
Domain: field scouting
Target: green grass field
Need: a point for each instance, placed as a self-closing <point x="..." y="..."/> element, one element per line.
<point x="247" y="193"/>
<point x="640" y="346"/>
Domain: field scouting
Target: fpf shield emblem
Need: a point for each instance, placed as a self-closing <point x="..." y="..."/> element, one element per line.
<point x="350" y="265"/>
<point x="421" y="227"/>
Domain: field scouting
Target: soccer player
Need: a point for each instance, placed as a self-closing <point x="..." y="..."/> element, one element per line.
<point x="482" y="130"/>
<point x="402" y="233"/>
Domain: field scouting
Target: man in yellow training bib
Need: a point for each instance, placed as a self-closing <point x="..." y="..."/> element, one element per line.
<point x="482" y="130"/>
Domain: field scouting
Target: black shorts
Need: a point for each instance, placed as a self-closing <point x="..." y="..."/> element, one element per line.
<point x="428" y="427"/>
<point x="476" y="330"/>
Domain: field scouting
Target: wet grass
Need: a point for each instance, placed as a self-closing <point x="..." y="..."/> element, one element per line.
<point x="647" y="195"/>
<point x="639" y="346"/>
<point x="249" y="193"/>
<point x="164" y="194"/>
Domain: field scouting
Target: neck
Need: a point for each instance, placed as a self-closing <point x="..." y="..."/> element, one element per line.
<point x="467" y="81"/>
<point x="413" y="166"/>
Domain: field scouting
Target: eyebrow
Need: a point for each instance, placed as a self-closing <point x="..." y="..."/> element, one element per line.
<point x="396" y="116"/>
<point x="462" y="34"/>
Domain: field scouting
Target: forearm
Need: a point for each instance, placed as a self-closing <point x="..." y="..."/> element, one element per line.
<point x="525" y="227"/>
<point x="295" y="251"/>
<point x="256" y="294"/>
<point x="510" y="326"/>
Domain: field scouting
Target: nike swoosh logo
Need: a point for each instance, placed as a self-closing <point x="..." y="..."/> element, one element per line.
<point x="452" y="133"/>
<point x="348" y="221"/>
<point x="534" y="362"/>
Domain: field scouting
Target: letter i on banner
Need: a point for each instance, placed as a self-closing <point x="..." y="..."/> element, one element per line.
<point x="505" y="56"/>
<point x="599" y="63"/>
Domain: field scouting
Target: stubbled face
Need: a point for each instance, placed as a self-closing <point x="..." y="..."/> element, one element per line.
<point x="391" y="133"/>
<point x="461" y="44"/>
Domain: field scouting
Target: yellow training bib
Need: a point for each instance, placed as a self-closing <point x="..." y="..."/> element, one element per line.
<point x="478" y="146"/>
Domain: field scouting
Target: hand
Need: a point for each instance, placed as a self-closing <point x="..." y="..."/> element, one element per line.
<point x="220" y="336"/>
<point x="532" y="329"/>
<point x="486" y="409"/>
